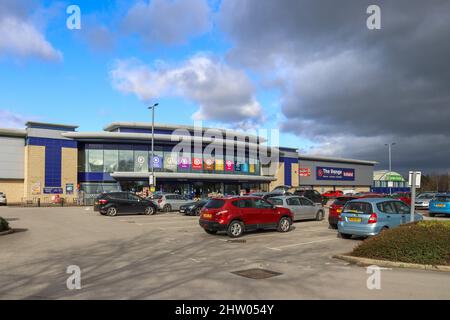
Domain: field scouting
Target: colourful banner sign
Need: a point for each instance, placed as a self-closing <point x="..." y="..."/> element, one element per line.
<point x="328" y="173"/>
<point x="252" y="168"/>
<point x="304" y="172"/>
<point x="219" y="165"/>
<point x="197" y="163"/>
<point x="184" y="163"/>
<point x="244" y="167"/>
<point x="229" y="165"/>
<point x="157" y="162"/>
<point x="209" y="164"/>
<point x="170" y="162"/>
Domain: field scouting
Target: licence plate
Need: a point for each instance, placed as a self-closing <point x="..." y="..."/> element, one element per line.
<point x="354" y="219"/>
<point x="440" y="205"/>
<point x="207" y="215"/>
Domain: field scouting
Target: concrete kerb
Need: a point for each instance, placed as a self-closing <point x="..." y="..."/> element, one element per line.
<point x="391" y="264"/>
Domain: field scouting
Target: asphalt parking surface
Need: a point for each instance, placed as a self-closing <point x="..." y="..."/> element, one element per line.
<point x="168" y="256"/>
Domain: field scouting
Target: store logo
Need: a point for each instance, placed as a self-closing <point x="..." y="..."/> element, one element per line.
<point x="141" y="160"/>
<point x="320" y="173"/>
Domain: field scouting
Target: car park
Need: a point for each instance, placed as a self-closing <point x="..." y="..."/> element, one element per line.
<point x="115" y="203"/>
<point x="236" y="215"/>
<point x="3" y="199"/>
<point x="170" y="201"/>
<point x="423" y="200"/>
<point x="440" y="205"/>
<point x="193" y="208"/>
<point x="336" y="209"/>
<point x="370" y="216"/>
<point x="302" y="208"/>
<point x="312" y="195"/>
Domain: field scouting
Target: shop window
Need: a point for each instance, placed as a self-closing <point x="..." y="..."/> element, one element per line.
<point x="126" y="161"/>
<point x="111" y="160"/>
<point x="95" y="160"/>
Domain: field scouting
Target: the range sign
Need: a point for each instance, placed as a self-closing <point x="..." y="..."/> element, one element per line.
<point x="328" y="173"/>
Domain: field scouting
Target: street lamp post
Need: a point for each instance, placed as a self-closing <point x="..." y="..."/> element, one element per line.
<point x="152" y="179"/>
<point x="389" y="145"/>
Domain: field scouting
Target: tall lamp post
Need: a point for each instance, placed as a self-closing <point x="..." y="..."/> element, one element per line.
<point x="152" y="177"/>
<point x="389" y="145"/>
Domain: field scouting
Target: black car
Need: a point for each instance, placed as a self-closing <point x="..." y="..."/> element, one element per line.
<point x="312" y="195"/>
<point x="114" y="203"/>
<point x="193" y="208"/>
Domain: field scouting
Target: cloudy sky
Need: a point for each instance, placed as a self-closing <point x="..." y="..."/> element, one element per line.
<point x="310" y="68"/>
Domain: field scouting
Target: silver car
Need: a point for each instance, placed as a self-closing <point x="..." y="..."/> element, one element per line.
<point x="302" y="208"/>
<point x="2" y="198"/>
<point x="423" y="200"/>
<point x="170" y="201"/>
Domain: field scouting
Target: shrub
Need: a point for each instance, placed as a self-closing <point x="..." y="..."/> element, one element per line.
<point x="424" y="242"/>
<point x="3" y="225"/>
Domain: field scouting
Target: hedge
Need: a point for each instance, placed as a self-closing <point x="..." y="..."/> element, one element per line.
<point x="3" y="225"/>
<point x="424" y="242"/>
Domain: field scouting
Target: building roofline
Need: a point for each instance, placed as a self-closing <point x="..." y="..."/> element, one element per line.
<point x="5" y="132"/>
<point x="332" y="159"/>
<point x="147" y="125"/>
<point x="32" y="123"/>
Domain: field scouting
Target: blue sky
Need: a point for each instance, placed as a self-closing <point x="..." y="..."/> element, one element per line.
<point x="78" y="88"/>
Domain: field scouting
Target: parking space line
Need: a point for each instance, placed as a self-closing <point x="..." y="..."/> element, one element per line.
<point x="300" y="244"/>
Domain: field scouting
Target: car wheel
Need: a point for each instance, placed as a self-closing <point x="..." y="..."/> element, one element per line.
<point x="319" y="215"/>
<point x="345" y="235"/>
<point x="149" y="211"/>
<point x="197" y="211"/>
<point x="284" y="225"/>
<point x="210" y="231"/>
<point x="167" y="208"/>
<point x="112" y="211"/>
<point x="235" y="229"/>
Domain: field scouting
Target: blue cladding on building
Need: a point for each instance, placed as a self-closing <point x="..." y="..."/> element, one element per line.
<point x="288" y="169"/>
<point x="53" y="161"/>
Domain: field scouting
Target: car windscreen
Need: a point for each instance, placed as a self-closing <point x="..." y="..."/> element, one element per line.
<point x="358" y="207"/>
<point x="443" y="198"/>
<point x="340" y="201"/>
<point x="214" y="204"/>
<point x="275" y="201"/>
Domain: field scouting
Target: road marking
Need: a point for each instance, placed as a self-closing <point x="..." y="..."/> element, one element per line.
<point x="299" y="244"/>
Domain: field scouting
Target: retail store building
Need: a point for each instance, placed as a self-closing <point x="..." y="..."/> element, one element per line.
<point x="45" y="160"/>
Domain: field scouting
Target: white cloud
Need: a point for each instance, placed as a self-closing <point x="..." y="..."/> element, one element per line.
<point x="169" y="22"/>
<point x="10" y="119"/>
<point x="19" y="37"/>
<point x="223" y="93"/>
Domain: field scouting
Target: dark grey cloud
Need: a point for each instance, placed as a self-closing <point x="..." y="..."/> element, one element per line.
<point x="347" y="88"/>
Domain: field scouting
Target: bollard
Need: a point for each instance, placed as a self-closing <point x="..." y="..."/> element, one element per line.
<point x="39" y="202"/>
<point x="62" y="202"/>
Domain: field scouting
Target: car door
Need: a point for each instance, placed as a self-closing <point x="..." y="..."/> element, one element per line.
<point x="294" y="204"/>
<point x="391" y="217"/>
<point x="403" y="210"/>
<point x="135" y="203"/>
<point x="120" y="200"/>
<point x="248" y="213"/>
<point x="265" y="214"/>
<point x="308" y="209"/>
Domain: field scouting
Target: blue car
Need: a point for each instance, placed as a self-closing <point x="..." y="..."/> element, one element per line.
<point x="439" y="205"/>
<point x="370" y="216"/>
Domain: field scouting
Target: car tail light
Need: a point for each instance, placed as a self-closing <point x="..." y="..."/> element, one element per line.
<point x="102" y="201"/>
<point x="373" y="218"/>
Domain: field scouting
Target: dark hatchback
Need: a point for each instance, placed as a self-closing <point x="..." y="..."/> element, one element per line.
<point x="115" y="203"/>
<point x="193" y="208"/>
<point x="312" y="195"/>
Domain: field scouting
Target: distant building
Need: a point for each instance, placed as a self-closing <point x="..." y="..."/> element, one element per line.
<point x="385" y="181"/>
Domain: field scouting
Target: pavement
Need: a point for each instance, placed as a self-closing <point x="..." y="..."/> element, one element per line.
<point x="168" y="256"/>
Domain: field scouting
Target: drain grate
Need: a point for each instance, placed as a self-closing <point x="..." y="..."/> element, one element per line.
<point x="256" y="273"/>
<point x="237" y="241"/>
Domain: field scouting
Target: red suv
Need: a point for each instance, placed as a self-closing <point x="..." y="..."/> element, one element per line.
<point x="238" y="214"/>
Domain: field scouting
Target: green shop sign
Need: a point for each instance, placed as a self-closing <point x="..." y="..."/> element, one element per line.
<point x="394" y="177"/>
